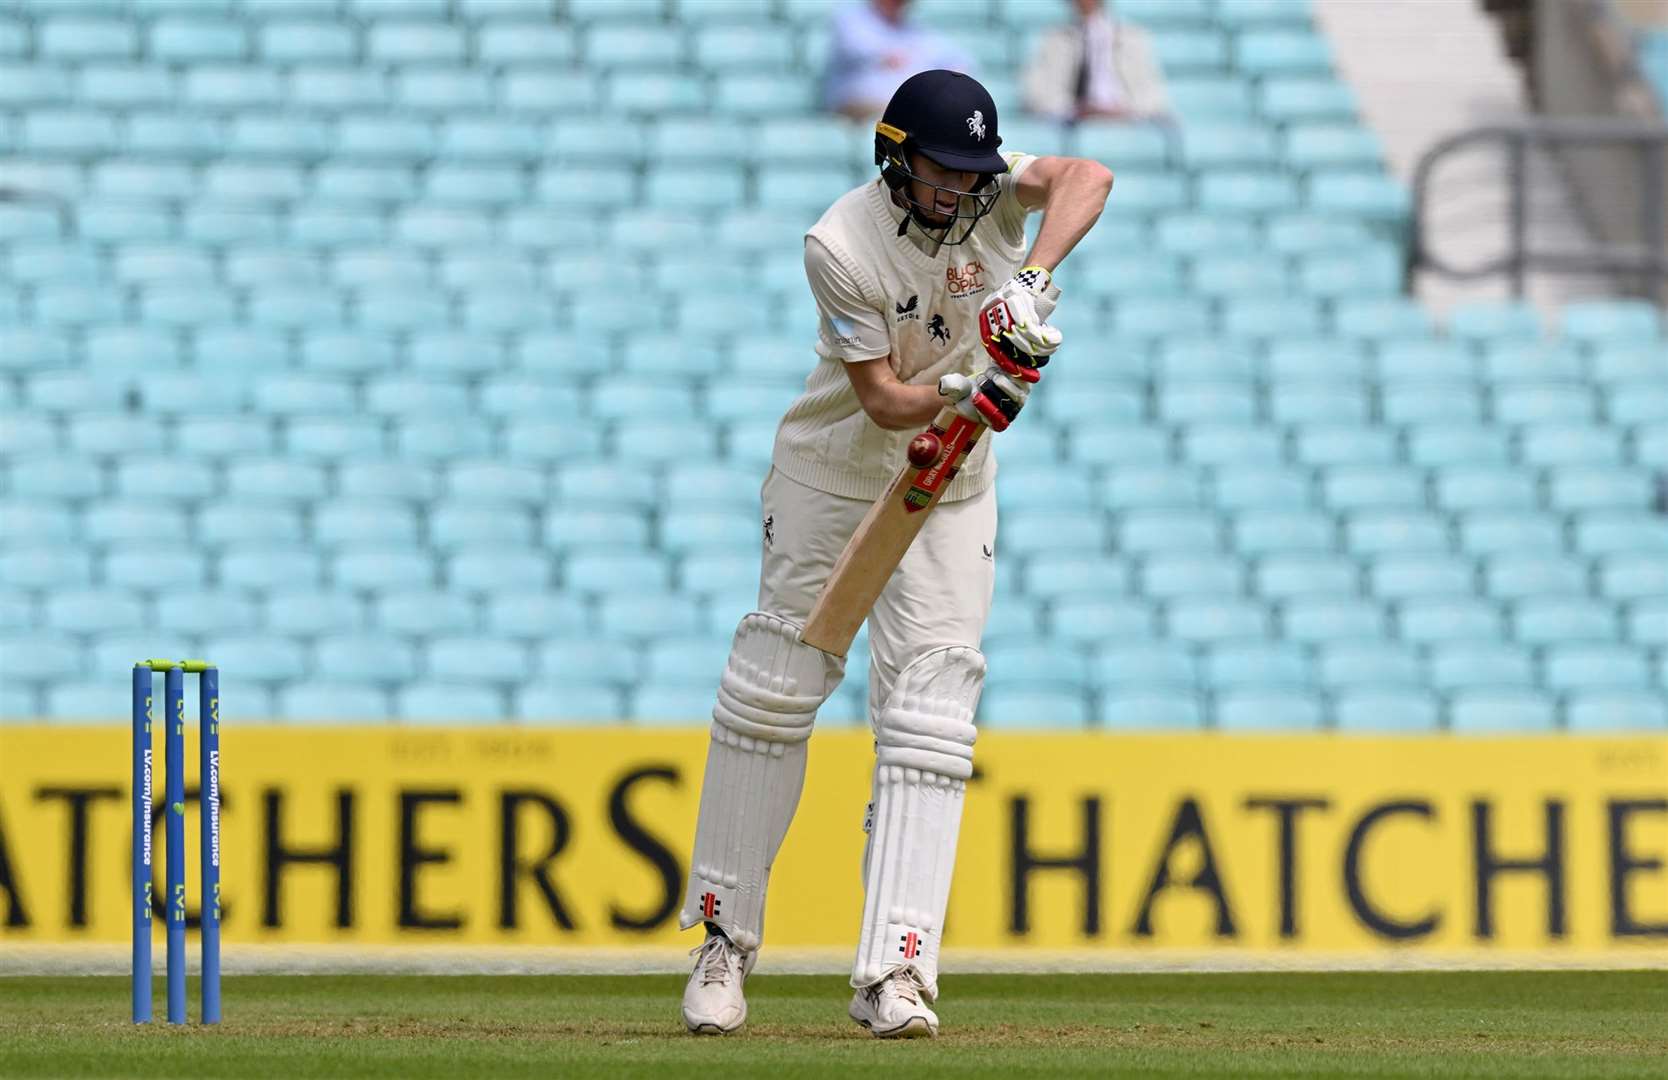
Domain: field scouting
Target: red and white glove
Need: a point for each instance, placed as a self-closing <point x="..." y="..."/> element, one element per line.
<point x="1013" y="324"/>
<point x="994" y="397"/>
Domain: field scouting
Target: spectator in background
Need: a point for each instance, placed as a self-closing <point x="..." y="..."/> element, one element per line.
<point x="1095" y="68"/>
<point x="874" y="50"/>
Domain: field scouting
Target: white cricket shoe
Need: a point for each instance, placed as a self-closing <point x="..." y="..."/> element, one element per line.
<point x="713" y="1003"/>
<point x="895" y="1007"/>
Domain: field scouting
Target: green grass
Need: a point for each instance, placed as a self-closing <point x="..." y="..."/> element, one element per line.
<point x="1498" y="1024"/>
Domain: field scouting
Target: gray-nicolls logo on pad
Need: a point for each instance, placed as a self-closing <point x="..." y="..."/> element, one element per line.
<point x="770" y="530"/>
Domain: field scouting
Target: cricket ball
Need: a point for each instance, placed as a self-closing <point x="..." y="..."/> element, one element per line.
<point x="924" y="449"/>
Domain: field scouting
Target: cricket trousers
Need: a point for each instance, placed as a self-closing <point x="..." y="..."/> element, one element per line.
<point x="940" y="594"/>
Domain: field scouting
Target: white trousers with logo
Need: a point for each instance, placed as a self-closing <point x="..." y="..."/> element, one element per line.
<point x="940" y="594"/>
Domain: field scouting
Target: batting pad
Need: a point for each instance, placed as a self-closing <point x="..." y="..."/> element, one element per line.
<point x="923" y="758"/>
<point x="767" y="702"/>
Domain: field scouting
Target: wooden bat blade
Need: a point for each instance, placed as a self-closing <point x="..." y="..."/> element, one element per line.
<point x="885" y="533"/>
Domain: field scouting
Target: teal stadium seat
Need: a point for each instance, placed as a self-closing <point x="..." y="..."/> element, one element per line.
<point x="1388" y="710"/>
<point x="1421" y="577"/>
<point x="304" y="612"/>
<point x="1433" y="620"/>
<point x="1291" y="577"/>
<point x="1332" y="620"/>
<point x="1295" y="99"/>
<point x="1368" y="666"/>
<point x="381" y="566"/>
<point x="567" y="702"/>
<point x="1257" y="664"/>
<point x="323" y="702"/>
<point x="440" y="702"/>
<point x="1616" y="711"/>
<point x="1491" y="712"/>
<point x="1009" y="707"/>
<point x="232" y="521"/>
<point x="366" y="656"/>
<point x="85" y="611"/>
<point x="1150" y="710"/>
<point x="1267" y="710"/>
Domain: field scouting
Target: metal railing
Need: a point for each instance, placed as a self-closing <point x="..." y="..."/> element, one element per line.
<point x="1648" y="257"/>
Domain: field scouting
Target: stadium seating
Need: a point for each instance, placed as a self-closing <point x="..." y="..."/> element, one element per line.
<point x="310" y="359"/>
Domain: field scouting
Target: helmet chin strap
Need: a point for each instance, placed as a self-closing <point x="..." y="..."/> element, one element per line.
<point x="913" y="212"/>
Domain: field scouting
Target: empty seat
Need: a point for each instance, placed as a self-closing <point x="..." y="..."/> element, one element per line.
<point x="1485" y="487"/>
<point x="450" y="703"/>
<point x="1386" y="710"/>
<point x="1165" y="576"/>
<point x="1647" y="622"/>
<point x="1359" y="664"/>
<point x="366" y="523"/>
<point x="382" y="565"/>
<point x="1550" y="621"/>
<point x="1286" y="577"/>
<point x="1150" y="710"/>
<point x="1150" y="664"/>
<point x="1621" y="532"/>
<point x="1266" y="532"/>
<point x="1216" y="620"/>
<point x="1097" y="620"/>
<point x="1316" y="402"/>
<point x="616" y="571"/>
<point x="685" y="531"/>
<point x="1054" y="576"/>
<point x="469" y="659"/>
<point x="1586" y="488"/>
<point x="1331" y="620"/>
<point x="1256" y="664"/>
<point x="425" y="611"/>
<point x="1343" y="444"/>
<point x="645" y="614"/>
<point x="1267" y="710"/>
<point x="1555" y="444"/>
<point x="1607" y="711"/>
<point x="1149" y="487"/>
<point x="1256" y="487"/>
<point x="1141" y="531"/>
<point x="1459" y="665"/>
<point x="1596" y="667"/>
<point x="576" y="530"/>
<point x="1493" y="532"/>
<point x="489" y="568"/>
<point x="1403" y="577"/>
<point x="1542" y="403"/>
<point x="1232" y="444"/>
<point x="1429" y="621"/>
<point x="1633" y="576"/>
<point x="1501" y="711"/>
<point x="334" y="700"/>
<point x="569" y="702"/>
<point x="1020" y="707"/>
<point x="301" y="611"/>
<point x="1463" y="444"/>
<point x="1515" y="577"/>
<point x="540" y="614"/>
<point x="1396" y="532"/>
<point x="1612" y="321"/>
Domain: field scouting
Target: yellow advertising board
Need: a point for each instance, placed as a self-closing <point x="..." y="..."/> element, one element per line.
<point x="505" y="836"/>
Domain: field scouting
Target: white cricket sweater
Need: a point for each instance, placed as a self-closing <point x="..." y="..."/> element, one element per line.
<point x="929" y="306"/>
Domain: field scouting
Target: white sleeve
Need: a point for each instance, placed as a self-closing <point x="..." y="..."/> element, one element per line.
<point x="848" y="327"/>
<point x="1009" y="212"/>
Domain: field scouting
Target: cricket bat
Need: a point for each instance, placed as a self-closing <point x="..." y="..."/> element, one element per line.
<point x="887" y="530"/>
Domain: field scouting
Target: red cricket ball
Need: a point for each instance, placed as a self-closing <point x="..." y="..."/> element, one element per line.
<point x="924" y="449"/>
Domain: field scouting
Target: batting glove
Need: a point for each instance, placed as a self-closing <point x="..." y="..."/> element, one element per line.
<point x="1014" y="327"/>
<point x="993" y="398"/>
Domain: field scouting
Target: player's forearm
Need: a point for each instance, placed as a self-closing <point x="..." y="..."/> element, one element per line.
<point x="1074" y="203"/>
<point x="900" y="406"/>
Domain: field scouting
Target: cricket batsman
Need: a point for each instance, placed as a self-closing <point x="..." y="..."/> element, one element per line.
<point x="926" y="297"/>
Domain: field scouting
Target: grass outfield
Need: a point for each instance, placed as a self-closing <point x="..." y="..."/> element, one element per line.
<point x="1496" y="1024"/>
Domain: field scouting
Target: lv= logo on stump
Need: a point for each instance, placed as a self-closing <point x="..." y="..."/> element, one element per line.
<point x="173" y="812"/>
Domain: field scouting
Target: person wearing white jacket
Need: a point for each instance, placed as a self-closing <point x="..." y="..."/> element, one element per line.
<point x="1095" y="68"/>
